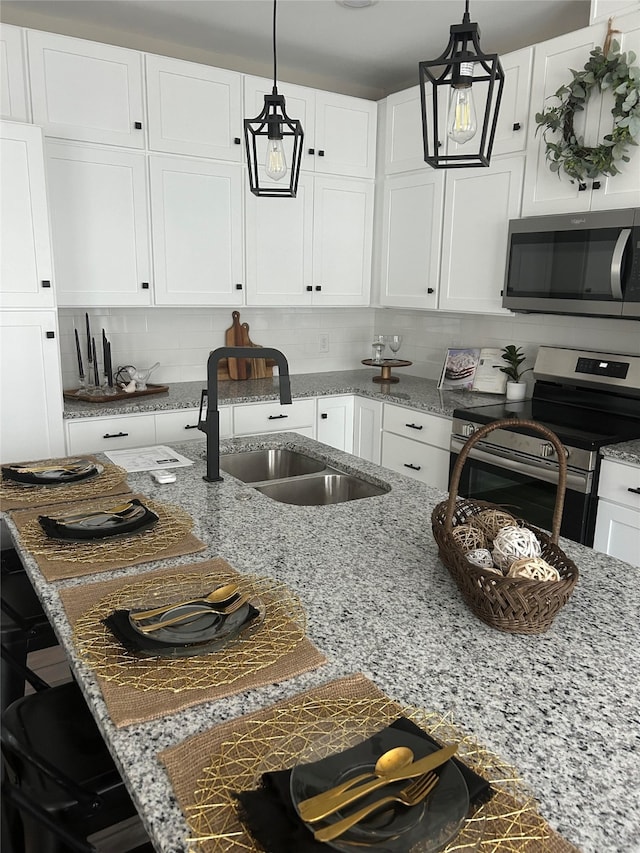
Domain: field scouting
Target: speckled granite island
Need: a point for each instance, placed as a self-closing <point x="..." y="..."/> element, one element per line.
<point x="563" y="707"/>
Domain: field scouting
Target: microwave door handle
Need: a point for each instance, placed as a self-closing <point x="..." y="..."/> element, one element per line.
<point x="616" y="263"/>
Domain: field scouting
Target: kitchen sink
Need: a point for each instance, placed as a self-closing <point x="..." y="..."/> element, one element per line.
<point x="256" y="466"/>
<point x="321" y="489"/>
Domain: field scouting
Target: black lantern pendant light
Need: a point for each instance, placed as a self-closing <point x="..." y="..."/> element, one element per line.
<point x="267" y="140"/>
<point x="464" y="75"/>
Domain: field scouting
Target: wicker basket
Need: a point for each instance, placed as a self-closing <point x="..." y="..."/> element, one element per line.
<point x="517" y="605"/>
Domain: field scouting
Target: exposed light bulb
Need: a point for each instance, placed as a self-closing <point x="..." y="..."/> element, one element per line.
<point x="462" y="123"/>
<point x="276" y="162"/>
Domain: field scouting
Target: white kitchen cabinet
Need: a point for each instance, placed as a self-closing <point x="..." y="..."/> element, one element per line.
<point x="324" y="237"/>
<point x="339" y="130"/>
<point x="93" y="435"/>
<point x="602" y="10"/>
<point x="547" y="192"/>
<point x="85" y="90"/>
<point x="257" y="418"/>
<point x="411" y="239"/>
<point x="618" y="521"/>
<point x="25" y="261"/>
<point x="194" y="109"/>
<point x="403" y="144"/>
<point x="30" y="386"/>
<point x="196" y="214"/>
<point x="334" y="424"/>
<point x="99" y="222"/>
<point x="478" y="206"/>
<point x="14" y="101"/>
<point x="512" y="129"/>
<point x="182" y="425"/>
<point x="367" y="426"/>
<point x="416" y="444"/>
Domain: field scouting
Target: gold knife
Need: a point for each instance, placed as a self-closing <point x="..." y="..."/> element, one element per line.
<point x="321" y="805"/>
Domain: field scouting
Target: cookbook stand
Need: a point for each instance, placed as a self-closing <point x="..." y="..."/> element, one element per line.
<point x="386" y="365"/>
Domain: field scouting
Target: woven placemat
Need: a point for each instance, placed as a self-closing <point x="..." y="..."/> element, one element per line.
<point x="136" y="689"/>
<point x="170" y="537"/>
<point x="111" y="481"/>
<point x="206" y="769"/>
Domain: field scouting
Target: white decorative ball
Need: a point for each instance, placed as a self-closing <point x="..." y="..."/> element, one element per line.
<point x="534" y="568"/>
<point x="513" y="543"/>
<point x="480" y="557"/>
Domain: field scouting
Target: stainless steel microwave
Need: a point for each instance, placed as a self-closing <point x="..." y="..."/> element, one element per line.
<point x="582" y="263"/>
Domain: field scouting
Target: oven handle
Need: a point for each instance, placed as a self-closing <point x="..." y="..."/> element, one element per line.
<point x="616" y="263"/>
<point x="575" y="482"/>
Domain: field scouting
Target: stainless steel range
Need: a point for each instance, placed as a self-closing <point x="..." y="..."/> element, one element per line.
<point x="589" y="400"/>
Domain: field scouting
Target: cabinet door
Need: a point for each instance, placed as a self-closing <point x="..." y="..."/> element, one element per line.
<point x="546" y="191"/>
<point x="25" y="260"/>
<point x="478" y="206"/>
<point x="99" y="223"/>
<point x="345" y="142"/>
<point x="31" y="393"/>
<point x="197" y="231"/>
<point x="335" y="422"/>
<point x="86" y="91"/>
<point x="299" y="104"/>
<point x="403" y="148"/>
<point x="282" y="277"/>
<point x="412" y="222"/>
<point x="194" y="109"/>
<point x="14" y="102"/>
<point x="366" y="428"/>
<point x="618" y="532"/>
<point x="512" y="129"/>
<point x="342" y="234"/>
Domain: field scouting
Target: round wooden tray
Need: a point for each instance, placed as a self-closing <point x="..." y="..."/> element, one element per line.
<point x="385" y="368"/>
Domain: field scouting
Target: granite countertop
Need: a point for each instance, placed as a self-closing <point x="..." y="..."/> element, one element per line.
<point x="563" y="706"/>
<point x="626" y="451"/>
<point x="413" y="391"/>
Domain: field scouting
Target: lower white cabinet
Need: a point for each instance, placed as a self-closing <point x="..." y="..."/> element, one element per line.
<point x="367" y="426"/>
<point x="416" y="444"/>
<point x="618" y="520"/>
<point x="90" y="435"/>
<point x="182" y="425"/>
<point x="257" y="418"/>
<point x="335" y="421"/>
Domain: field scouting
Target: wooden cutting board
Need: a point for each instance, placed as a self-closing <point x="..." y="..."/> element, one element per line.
<point x="242" y="368"/>
<point x="258" y="368"/>
<point x="233" y="337"/>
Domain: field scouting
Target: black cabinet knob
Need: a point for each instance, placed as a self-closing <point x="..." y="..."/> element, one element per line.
<point x="517" y="126"/>
<point x="581" y="188"/>
<point x="238" y="287"/>
<point x="51" y="334"/>
<point x="46" y="283"/>
<point x="145" y="285"/>
<point x="596" y="185"/>
<point x="430" y="290"/>
<point x="318" y="287"/>
<point x="309" y="288"/>
<point x="321" y="153"/>
<point x="312" y="151"/>
<point x="236" y="140"/>
<point x="324" y="416"/>
<point x="137" y="125"/>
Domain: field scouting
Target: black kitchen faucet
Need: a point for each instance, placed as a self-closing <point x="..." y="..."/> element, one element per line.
<point x="210" y="426"/>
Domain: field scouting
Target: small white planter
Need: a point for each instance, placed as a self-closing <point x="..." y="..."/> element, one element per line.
<point x="516" y="391"/>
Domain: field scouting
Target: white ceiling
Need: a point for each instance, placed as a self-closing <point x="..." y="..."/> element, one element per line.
<point x="368" y="52"/>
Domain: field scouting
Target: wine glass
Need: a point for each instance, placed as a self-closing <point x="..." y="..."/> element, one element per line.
<point x="395" y="342"/>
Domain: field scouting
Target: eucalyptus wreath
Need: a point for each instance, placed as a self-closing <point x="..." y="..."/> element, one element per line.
<point x="604" y="70"/>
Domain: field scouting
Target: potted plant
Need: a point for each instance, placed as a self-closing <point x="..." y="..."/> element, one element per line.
<point x="516" y="388"/>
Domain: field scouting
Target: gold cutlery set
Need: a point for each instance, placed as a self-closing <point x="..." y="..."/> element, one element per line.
<point x="222" y="601"/>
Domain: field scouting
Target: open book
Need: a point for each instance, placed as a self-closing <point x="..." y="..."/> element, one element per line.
<point x="473" y="369"/>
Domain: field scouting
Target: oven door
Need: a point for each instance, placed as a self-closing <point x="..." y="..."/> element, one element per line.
<point x="527" y="490"/>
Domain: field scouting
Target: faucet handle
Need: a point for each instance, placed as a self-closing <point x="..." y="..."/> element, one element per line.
<point x="204" y="402"/>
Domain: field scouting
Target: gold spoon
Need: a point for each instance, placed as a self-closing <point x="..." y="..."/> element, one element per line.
<point x="216" y="596"/>
<point x="185" y="617"/>
<point x="80" y="516"/>
<point x="390" y="761"/>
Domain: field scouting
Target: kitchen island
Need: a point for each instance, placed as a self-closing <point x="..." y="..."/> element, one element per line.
<point x="563" y="707"/>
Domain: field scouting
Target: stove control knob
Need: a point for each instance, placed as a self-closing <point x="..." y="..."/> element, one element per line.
<point x="547" y="450"/>
<point x="468" y="430"/>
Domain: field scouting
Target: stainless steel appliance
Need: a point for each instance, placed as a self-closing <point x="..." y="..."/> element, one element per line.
<point x="585" y="263"/>
<point x="589" y="400"/>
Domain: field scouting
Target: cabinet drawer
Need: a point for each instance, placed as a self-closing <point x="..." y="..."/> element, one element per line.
<point x="95" y="434"/>
<point x="182" y="425"/>
<point x="419" y="426"/>
<point x="616" y="478"/>
<point x="428" y="464"/>
<point x="272" y="417"/>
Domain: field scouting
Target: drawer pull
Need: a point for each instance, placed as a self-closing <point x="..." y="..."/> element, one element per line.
<point x="116" y="435"/>
<point x="635" y="491"/>
<point x="277" y="417"/>
<point x="413" y="467"/>
<point x="414" y="426"/>
<point x="191" y="426"/>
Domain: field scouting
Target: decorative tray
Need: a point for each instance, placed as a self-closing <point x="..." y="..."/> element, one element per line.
<point x="87" y="397"/>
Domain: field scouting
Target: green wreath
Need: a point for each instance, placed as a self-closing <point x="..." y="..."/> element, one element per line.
<point x="613" y="70"/>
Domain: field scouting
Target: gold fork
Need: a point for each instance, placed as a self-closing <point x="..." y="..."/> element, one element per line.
<point x="410" y="795"/>
<point x="226" y="611"/>
<point x="81" y="516"/>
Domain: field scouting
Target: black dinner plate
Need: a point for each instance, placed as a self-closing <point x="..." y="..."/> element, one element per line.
<point x="99" y="527"/>
<point x="81" y="469"/>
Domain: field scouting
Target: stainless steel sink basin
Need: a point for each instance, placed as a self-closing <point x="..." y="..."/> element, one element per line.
<point x="321" y="489"/>
<point x="256" y="466"/>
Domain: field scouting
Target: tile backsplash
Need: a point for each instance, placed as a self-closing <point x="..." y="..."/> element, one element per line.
<point x="181" y="338"/>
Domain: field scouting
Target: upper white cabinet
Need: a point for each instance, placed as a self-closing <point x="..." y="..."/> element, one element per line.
<point x="513" y="117"/>
<point x="403" y="146"/>
<point x="85" y="90"/>
<point x="339" y="131"/>
<point x="549" y="192"/>
<point x="99" y="222"/>
<point x="478" y="205"/>
<point x="25" y="260"/>
<point x="14" y="103"/>
<point x="196" y="213"/>
<point x="411" y="239"/>
<point x="324" y="237"/>
<point x="194" y="109"/>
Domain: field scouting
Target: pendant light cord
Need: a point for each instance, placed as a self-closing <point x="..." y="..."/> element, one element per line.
<point x="275" y="65"/>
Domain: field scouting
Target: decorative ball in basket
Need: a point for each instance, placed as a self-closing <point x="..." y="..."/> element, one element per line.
<point x="512" y="575"/>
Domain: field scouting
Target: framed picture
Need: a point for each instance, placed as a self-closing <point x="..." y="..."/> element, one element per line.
<point x="459" y="368"/>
